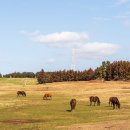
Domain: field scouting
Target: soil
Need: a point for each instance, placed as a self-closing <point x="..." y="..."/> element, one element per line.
<point x="112" y="125"/>
<point x="22" y="121"/>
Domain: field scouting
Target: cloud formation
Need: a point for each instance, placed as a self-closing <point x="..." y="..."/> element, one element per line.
<point x="78" y="41"/>
<point x="62" y="39"/>
<point x="96" y="50"/>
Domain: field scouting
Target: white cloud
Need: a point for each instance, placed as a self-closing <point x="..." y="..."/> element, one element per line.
<point x="96" y="50"/>
<point x="78" y="41"/>
<point x="62" y="39"/>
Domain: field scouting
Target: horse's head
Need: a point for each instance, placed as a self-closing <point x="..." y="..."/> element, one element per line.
<point x="25" y="94"/>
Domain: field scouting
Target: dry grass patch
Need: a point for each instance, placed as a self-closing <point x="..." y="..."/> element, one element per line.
<point x="111" y="125"/>
<point x="22" y="121"/>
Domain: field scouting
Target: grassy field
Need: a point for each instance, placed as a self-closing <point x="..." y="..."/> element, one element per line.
<point x="33" y="113"/>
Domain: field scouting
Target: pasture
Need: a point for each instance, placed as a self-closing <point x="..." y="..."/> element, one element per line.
<point x="34" y="113"/>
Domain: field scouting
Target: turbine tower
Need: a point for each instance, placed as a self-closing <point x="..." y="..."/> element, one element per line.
<point x="73" y="60"/>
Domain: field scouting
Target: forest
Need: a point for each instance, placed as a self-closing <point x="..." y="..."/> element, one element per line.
<point x="117" y="70"/>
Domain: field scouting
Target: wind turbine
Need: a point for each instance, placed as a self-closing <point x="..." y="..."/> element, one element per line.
<point x="73" y="60"/>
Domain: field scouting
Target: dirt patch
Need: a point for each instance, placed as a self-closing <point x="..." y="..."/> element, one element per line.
<point x="112" y="125"/>
<point x="22" y="121"/>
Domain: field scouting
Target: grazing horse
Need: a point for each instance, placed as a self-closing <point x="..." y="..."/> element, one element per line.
<point x="22" y="93"/>
<point x="113" y="101"/>
<point x="47" y="96"/>
<point x="72" y="104"/>
<point x="94" y="99"/>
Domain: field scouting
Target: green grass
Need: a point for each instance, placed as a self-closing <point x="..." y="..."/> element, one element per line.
<point x="18" y="81"/>
<point x="53" y="112"/>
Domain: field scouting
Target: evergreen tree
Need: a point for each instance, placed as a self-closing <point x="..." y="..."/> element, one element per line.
<point x="41" y="77"/>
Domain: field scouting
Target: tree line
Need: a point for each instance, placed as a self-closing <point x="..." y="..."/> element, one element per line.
<point x="61" y="76"/>
<point x="117" y="70"/>
<point x="20" y="75"/>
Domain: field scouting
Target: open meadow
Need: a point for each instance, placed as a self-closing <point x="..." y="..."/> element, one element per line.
<point x="34" y="113"/>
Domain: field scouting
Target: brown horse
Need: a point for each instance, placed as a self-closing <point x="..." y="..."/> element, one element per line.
<point x="47" y="96"/>
<point x="94" y="99"/>
<point x="21" y="93"/>
<point x="113" y="101"/>
<point x="72" y="104"/>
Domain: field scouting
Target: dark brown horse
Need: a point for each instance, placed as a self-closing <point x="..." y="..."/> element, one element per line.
<point x="94" y="99"/>
<point x="21" y="93"/>
<point x="72" y="104"/>
<point x="47" y="96"/>
<point x="113" y="101"/>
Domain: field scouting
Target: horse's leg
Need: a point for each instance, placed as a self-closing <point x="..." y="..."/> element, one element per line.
<point x="118" y="106"/>
<point x="113" y="105"/>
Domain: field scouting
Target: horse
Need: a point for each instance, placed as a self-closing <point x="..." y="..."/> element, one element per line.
<point x="72" y="104"/>
<point x="22" y="93"/>
<point x="113" y="101"/>
<point x="47" y="96"/>
<point x="94" y="99"/>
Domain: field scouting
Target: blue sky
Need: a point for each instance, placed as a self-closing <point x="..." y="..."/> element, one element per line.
<point x="36" y="34"/>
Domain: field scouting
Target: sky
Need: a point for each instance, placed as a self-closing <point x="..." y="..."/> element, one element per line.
<point x="62" y="34"/>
